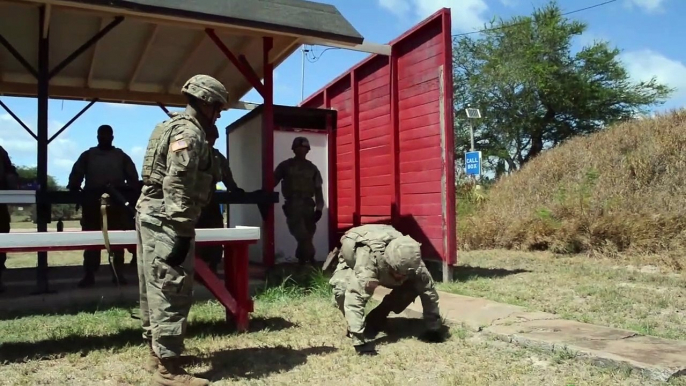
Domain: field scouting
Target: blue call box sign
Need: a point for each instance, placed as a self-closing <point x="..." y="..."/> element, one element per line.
<point x="472" y="161"/>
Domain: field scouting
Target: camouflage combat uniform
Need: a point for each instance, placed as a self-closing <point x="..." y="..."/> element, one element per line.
<point x="177" y="177"/>
<point x="211" y="215"/>
<point x="373" y="255"/>
<point x="8" y="180"/>
<point x="301" y="181"/>
<point x="100" y="167"/>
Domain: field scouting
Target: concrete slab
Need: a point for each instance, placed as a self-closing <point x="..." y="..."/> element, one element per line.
<point x="660" y="359"/>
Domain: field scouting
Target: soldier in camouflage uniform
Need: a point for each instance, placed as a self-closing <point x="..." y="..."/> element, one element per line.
<point x="9" y="178"/>
<point x="100" y="166"/>
<point x="301" y="181"/>
<point x="177" y="178"/>
<point x="373" y="255"/>
<point x="211" y="215"/>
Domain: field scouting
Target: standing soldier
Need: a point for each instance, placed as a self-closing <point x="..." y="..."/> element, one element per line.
<point x="373" y="255"/>
<point x="101" y="166"/>
<point x="177" y="180"/>
<point x="9" y="179"/>
<point x="301" y="181"/>
<point x="211" y="215"/>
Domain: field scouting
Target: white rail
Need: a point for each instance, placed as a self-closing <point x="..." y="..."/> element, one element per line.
<point x="48" y="240"/>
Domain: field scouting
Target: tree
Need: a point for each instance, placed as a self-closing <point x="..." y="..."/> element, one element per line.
<point x="534" y="93"/>
<point x="30" y="173"/>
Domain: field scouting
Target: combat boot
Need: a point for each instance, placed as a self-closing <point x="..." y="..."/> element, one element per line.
<point x="170" y="373"/>
<point x="153" y="361"/>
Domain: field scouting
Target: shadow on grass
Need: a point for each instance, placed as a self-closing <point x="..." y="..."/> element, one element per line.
<point x="399" y="328"/>
<point x="257" y="362"/>
<point x="463" y="273"/>
<point x="17" y="352"/>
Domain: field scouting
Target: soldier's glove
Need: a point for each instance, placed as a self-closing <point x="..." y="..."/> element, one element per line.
<point x="317" y="215"/>
<point x="366" y="349"/>
<point x="179" y="251"/>
<point x="433" y="336"/>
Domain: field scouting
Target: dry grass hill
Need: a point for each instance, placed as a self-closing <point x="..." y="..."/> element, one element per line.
<point x="621" y="191"/>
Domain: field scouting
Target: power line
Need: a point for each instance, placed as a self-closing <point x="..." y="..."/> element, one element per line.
<point x="524" y="22"/>
<point x="313" y="58"/>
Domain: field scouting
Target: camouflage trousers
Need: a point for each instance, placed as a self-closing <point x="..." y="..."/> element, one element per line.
<point x="343" y="280"/>
<point x="91" y="220"/>
<point x="166" y="292"/>
<point x="5" y="220"/>
<point x="300" y="220"/>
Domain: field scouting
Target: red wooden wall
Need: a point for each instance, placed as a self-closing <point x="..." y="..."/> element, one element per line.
<point x="394" y="140"/>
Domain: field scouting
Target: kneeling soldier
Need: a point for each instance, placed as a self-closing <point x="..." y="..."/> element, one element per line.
<point x="373" y="255"/>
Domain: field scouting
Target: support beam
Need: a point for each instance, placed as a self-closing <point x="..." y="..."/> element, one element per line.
<point x="268" y="150"/>
<point x="42" y="210"/>
<point x="225" y="63"/>
<point x="18" y="56"/>
<point x="88" y="44"/>
<point x="83" y="110"/>
<point x="192" y="55"/>
<point x="368" y="47"/>
<point x="143" y="55"/>
<point x="109" y="96"/>
<point x="94" y="55"/>
<point x="248" y="73"/>
<point x="46" y="20"/>
<point x="164" y="108"/>
<point x="19" y="121"/>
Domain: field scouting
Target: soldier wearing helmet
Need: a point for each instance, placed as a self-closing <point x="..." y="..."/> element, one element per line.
<point x="211" y="215"/>
<point x="9" y="179"/>
<point x="301" y="181"/>
<point x="373" y="255"/>
<point x="177" y="182"/>
<point x="99" y="167"/>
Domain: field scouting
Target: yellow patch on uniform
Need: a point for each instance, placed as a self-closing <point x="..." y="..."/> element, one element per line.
<point x="179" y="145"/>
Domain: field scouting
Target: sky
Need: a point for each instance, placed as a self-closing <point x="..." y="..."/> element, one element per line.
<point x="639" y="28"/>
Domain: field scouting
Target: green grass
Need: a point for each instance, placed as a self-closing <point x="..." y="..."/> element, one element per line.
<point x="296" y="337"/>
<point x="632" y="295"/>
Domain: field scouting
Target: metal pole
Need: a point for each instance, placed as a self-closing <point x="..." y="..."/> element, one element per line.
<point x="471" y="134"/>
<point x="302" y="74"/>
<point x="42" y="210"/>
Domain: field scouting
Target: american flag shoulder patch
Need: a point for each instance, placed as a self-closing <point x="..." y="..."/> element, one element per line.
<point x="179" y="145"/>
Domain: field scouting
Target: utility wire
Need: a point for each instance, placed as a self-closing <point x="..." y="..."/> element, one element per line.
<point x="525" y="22"/>
<point x="313" y="58"/>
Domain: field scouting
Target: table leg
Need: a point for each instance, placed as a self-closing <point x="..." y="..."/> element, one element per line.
<point x="237" y="282"/>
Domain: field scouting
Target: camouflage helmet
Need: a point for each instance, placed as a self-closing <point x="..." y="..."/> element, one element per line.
<point x="300" y="141"/>
<point x="207" y="89"/>
<point x="403" y="255"/>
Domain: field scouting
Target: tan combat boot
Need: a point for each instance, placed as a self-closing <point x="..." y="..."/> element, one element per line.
<point x="153" y="361"/>
<point x="170" y="373"/>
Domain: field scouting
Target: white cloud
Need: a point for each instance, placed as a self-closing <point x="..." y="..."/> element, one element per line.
<point x="645" y="64"/>
<point x="120" y="105"/>
<point x="21" y="146"/>
<point x="467" y="15"/>
<point x="398" y="7"/>
<point x="136" y="153"/>
<point x="646" y="5"/>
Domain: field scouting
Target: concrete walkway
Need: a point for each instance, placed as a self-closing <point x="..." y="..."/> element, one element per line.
<point x="660" y="359"/>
